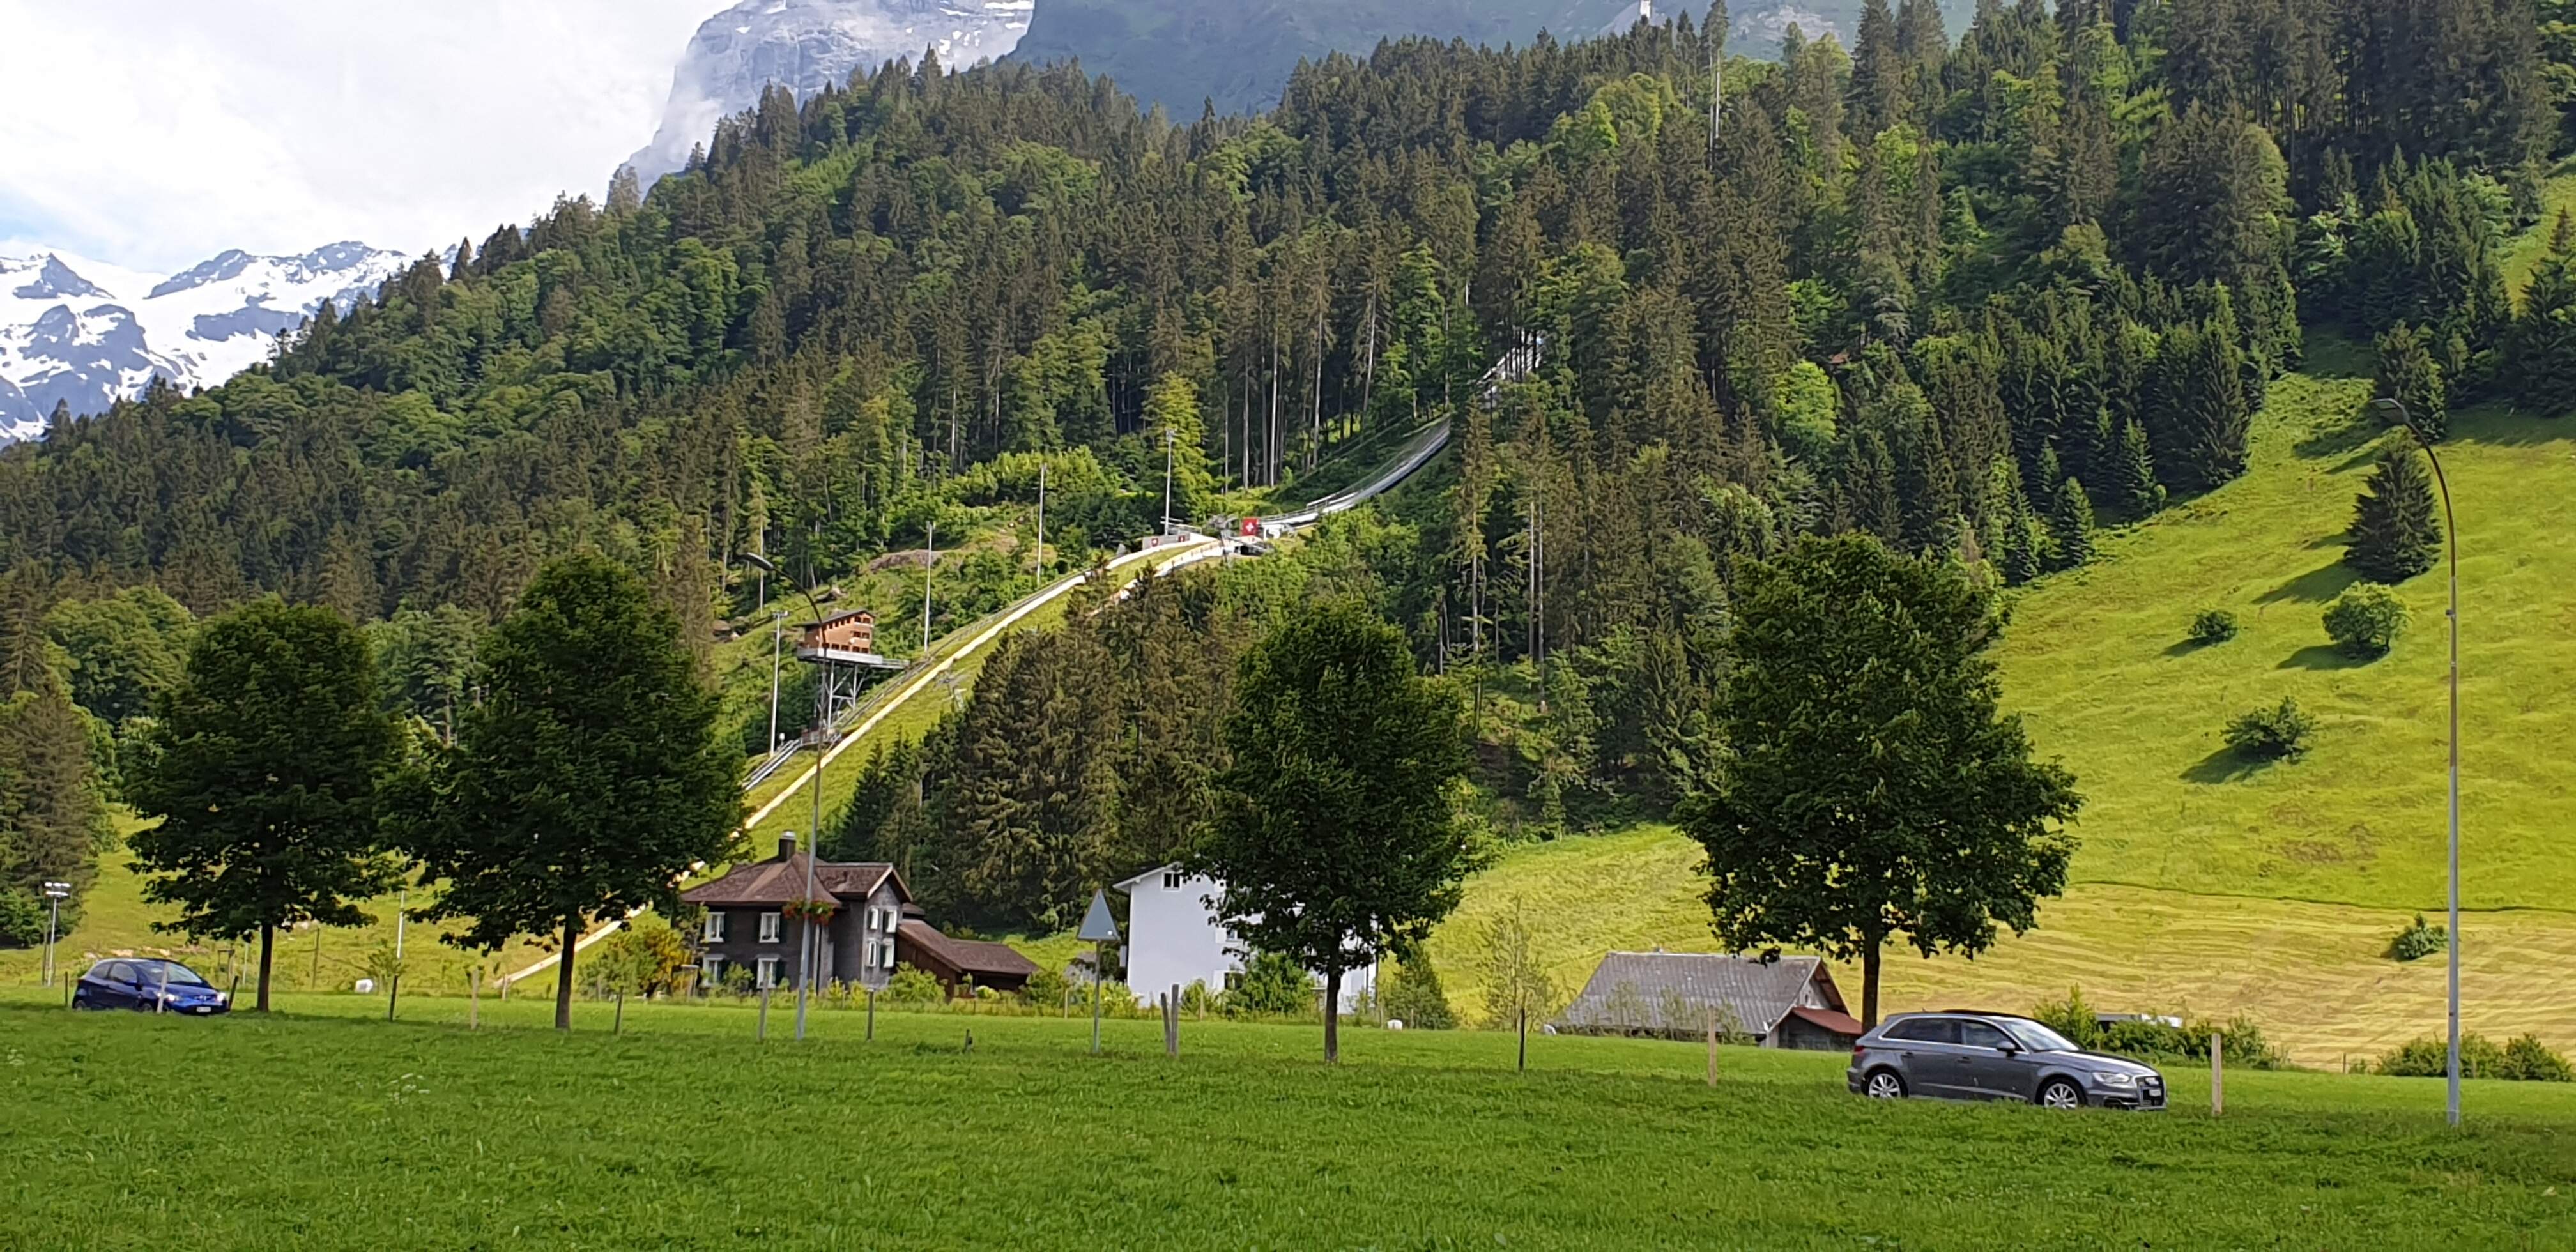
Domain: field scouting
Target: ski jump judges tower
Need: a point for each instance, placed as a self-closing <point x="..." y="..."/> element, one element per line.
<point x="843" y="650"/>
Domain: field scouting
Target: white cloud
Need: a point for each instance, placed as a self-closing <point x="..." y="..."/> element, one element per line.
<point x="155" y="133"/>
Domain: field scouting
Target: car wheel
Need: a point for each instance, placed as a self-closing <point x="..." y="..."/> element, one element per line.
<point x="1884" y="1085"/>
<point x="2060" y="1093"/>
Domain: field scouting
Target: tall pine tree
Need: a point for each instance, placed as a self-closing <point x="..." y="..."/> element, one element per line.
<point x="2394" y="534"/>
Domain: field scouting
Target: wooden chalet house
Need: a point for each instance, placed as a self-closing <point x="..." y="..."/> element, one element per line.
<point x="756" y="918"/>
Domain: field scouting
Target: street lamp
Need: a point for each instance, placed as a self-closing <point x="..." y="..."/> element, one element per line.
<point x="55" y="894"/>
<point x="2451" y="543"/>
<point x="822" y="757"/>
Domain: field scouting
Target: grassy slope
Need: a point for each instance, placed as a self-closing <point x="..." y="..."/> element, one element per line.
<point x="2528" y="248"/>
<point x="279" y="1133"/>
<point x="119" y="923"/>
<point x="2202" y="884"/>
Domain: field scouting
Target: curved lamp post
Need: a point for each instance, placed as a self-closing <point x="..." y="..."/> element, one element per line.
<point x="814" y="838"/>
<point x="2451" y="543"/>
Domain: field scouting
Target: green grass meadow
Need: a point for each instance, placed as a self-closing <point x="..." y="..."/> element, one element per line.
<point x="326" y="1127"/>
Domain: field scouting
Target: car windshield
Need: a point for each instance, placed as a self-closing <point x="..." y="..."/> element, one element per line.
<point x="2036" y="1037"/>
<point x="174" y="974"/>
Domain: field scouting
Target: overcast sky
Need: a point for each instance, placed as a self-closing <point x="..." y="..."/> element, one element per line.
<point x="155" y="133"/>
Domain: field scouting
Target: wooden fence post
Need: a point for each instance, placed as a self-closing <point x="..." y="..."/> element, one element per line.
<point x="617" y="1024"/>
<point x="2217" y="1073"/>
<point x="474" y="999"/>
<point x="761" y="1033"/>
<point x="1176" y="1019"/>
<point x="1712" y="1045"/>
<point x="872" y="1015"/>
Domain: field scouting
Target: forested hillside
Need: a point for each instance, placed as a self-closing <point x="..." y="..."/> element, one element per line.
<point x="1973" y="299"/>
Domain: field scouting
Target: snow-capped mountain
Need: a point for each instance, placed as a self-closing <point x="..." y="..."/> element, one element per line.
<point x="805" y="45"/>
<point x="85" y="333"/>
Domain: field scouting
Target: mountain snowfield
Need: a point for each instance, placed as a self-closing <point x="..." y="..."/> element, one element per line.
<point x="806" y="45"/>
<point x="85" y="333"/>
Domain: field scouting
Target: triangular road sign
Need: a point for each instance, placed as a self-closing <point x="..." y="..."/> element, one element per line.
<point x="1097" y="925"/>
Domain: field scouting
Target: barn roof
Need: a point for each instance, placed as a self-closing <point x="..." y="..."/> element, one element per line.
<point x="1640" y="990"/>
<point x="967" y="956"/>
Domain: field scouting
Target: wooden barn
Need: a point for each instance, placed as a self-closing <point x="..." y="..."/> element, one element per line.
<point x="1788" y="1003"/>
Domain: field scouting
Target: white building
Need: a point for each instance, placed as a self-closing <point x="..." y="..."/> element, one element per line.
<point x="1173" y="938"/>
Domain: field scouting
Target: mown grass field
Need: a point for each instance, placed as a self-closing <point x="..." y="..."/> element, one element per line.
<point x="2205" y="885"/>
<point x="2315" y="976"/>
<point x="316" y="1130"/>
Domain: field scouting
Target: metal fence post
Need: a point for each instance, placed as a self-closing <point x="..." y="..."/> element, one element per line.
<point x="872" y="1015"/>
<point x="1712" y="1045"/>
<point x="762" y="1033"/>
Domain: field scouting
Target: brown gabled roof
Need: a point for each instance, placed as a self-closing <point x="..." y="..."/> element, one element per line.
<point x="967" y="956"/>
<point x="781" y="879"/>
<point x="1839" y="1023"/>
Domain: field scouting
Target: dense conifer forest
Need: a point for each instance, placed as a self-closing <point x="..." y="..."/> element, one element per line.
<point x="1975" y="297"/>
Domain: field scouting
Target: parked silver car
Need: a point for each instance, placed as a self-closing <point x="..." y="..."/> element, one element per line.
<point x="1995" y="1056"/>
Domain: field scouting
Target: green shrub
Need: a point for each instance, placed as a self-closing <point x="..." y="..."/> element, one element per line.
<point x="1272" y="985"/>
<point x="1414" y="996"/>
<point x="2274" y="734"/>
<point x="2366" y="620"/>
<point x="1048" y="989"/>
<point x="2159" y="1041"/>
<point x="2523" y="1060"/>
<point x="912" y="985"/>
<point x="2418" y="941"/>
<point x="2213" y="626"/>
<point x="1198" y="1001"/>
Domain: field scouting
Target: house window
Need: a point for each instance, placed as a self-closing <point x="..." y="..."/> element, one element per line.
<point x="871" y="962"/>
<point x="1171" y="880"/>
<point x="888" y="953"/>
<point x="769" y="928"/>
<point x="715" y="931"/>
<point x="874" y="913"/>
<point x="769" y="970"/>
<point x="711" y="971"/>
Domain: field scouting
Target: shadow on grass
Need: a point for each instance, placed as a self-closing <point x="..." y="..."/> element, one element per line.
<point x="2321" y="656"/>
<point x="2316" y="586"/>
<point x="2224" y="765"/>
<point x="2509" y="427"/>
<point x="2355" y="435"/>
<point x="2185" y="647"/>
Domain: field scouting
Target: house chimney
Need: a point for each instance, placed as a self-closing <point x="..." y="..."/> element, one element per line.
<point x="786" y="846"/>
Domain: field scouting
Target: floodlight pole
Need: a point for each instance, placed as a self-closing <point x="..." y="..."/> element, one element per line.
<point x="1167" y="481"/>
<point x="2451" y="544"/>
<point x="777" y="645"/>
<point x="822" y="757"/>
<point x="929" y="563"/>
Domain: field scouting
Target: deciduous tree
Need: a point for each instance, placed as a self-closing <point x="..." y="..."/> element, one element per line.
<point x="264" y="769"/>
<point x="1336" y="835"/>
<point x="589" y="778"/>
<point x="1870" y="789"/>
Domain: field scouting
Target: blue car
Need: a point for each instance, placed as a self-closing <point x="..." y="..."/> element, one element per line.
<point x="149" y="986"/>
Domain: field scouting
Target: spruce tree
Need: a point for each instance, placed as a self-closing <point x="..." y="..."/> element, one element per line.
<point x="2409" y="374"/>
<point x="2394" y="534"/>
<point x="2070" y="520"/>
<point x="2135" y="477"/>
<point x="2540" y="351"/>
<point x="2201" y="382"/>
